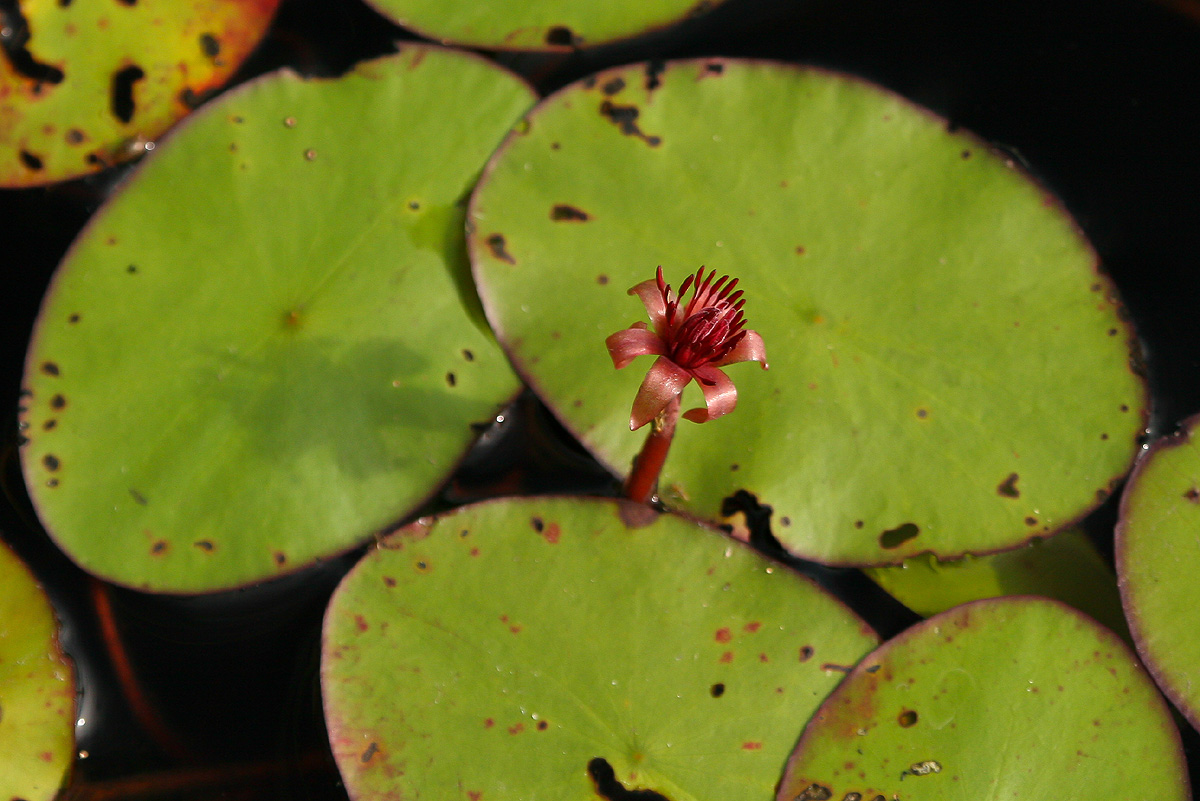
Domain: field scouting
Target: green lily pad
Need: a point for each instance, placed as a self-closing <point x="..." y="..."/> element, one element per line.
<point x="541" y="648"/>
<point x="1158" y="557"/>
<point x="997" y="699"/>
<point x="1066" y="567"/>
<point x="37" y="689"/>
<point x="93" y="83"/>
<point x="267" y="346"/>
<point x="537" y="24"/>
<point x="948" y="372"/>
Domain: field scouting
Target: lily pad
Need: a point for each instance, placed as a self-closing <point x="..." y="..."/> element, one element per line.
<point x="1066" y="567"/>
<point x="537" y="24"/>
<point x="37" y="689"/>
<point x="1158" y="556"/>
<point x="948" y="371"/>
<point x="996" y="699"/>
<point x="266" y="347"/>
<point x="88" y="85"/>
<point x="541" y="648"/>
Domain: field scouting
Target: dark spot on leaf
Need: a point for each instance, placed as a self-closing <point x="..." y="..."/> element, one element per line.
<point x="852" y="797"/>
<point x="31" y="161"/>
<point x="1008" y="487"/>
<point x="310" y="154"/>
<point x="837" y="667"/>
<point x="516" y="728"/>
<point x="613" y="86"/>
<point x="799" y="250"/>
<point x="538" y="524"/>
<point x="189" y="98"/>
<point x="131" y="269"/>
<point x="1112" y="332"/>
<point x="370" y="752"/>
<point x="49" y="368"/>
<point x="542" y="725"/>
<point x="561" y="36"/>
<point x="922" y="413"/>
<point x="602" y="279"/>
<point x="564" y="213"/>
<point x="1031" y="521"/>
<point x="814" y="792"/>
<point x="806" y="653"/>
<point x="654" y="69"/>
<point x="209" y="45"/>
<point x="858" y="524"/>
<point x="451" y="379"/>
<point x="874" y="668"/>
<point x="159" y="547"/>
<point x="625" y="118"/>
<point x="49" y="424"/>
<point x="280" y="558"/>
<point x="52" y="483"/>
<point x="498" y="246"/>
<point x="205" y="545"/>
<point x="468" y="355"/>
<point x="121" y="101"/>
<point x="50" y="461"/>
<point x="723" y="635"/>
<point x="714" y="68"/>
<point x="74" y="318"/>
<point x="1103" y="436"/>
<point x="907" y="718"/>
<point x="1193" y="494"/>
<point x="895" y="537"/>
<point x="388" y="581"/>
<point x="608" y="787"/>
<point x="1124" y="407"/>
<point x="717" y="690"/>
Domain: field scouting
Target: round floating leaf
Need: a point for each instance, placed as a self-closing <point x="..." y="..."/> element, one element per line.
<point x="948" y="373"/>
<point x="87" y="85"/>
<point x="537" y="24"/>
<point x="1066" y="567"/>
<point x="998" y="699"/>
<point x="37" y="689"/>
<point x="267" y="346"/>
<point x="543" y="649"/>
<point x="1158" y="556"/>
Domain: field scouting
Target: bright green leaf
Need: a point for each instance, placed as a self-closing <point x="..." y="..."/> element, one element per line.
<point x="37" y="689"/>
<point x="1158" y="559"/>
<point x="538" y="24"/>
<point x="497" y="652"/>
<point x="267" y="346"/>
<point x="948" y="372"/>
<point x="1065" y="567"/>
<point x="1012" y="698"/>
<point x="94" y="82"/>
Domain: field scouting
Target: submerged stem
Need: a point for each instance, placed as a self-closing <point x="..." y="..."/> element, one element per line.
<point x="647" y="465"/>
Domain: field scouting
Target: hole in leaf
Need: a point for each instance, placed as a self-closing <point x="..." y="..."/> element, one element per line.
<point x="14" y="41"/>
<point x="608" y="787"/>
<point x="895" y="537"/>
<point x="121" y="93"/>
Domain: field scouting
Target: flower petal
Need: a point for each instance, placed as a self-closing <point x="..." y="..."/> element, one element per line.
<point x="627" y="344"/>
<point x="720" y="395"/>
<point x="750" y="349"/>
<point x="652" y="298"/>
<point x="664" y="382"/>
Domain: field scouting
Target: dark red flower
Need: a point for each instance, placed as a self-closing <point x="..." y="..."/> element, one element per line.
<point x="691" y="341"/>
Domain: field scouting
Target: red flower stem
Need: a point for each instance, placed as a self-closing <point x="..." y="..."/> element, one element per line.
<point x="647" y="465"/>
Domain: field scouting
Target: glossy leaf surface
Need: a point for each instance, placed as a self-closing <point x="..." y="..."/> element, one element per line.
<point x="267" y="346"/>
<point x="948" y="372"/>
<point x="998" y="699"/>
<point x="37" y="689"/>
<point x="88" y="84"/>
<point x="542" y="649"/>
